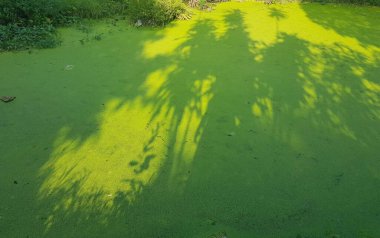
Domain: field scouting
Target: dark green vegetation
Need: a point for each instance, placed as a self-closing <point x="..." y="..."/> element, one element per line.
<point x="155" y="12"/>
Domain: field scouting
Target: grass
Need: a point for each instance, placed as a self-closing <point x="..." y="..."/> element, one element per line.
<point x="253" y="120"/>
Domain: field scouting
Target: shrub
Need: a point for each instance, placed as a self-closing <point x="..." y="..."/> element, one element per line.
<point x="31" y="23"/>
<point x="202" y="3"/>
<point x="95" y="8"/>
<point x="57" y="12"/>
<point x="155" y="12"/>
<point x="15" y="37"/>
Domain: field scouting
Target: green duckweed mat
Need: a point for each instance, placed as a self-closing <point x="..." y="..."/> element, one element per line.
<point x="252" y="120"/>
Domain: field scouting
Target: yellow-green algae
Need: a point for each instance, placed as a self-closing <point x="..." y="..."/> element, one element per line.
<point x="249" y="121"/>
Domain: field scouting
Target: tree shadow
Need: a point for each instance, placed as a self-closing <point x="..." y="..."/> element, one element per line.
<point x="360" y="23"/>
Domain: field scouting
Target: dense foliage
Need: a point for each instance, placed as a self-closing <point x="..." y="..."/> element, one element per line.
<point x="13" y="36"/>
<point x="33" y="12"/>
<point x="155" y="12"/>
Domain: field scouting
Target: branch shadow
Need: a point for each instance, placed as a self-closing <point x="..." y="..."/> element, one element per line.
<point x="349" y="20"/>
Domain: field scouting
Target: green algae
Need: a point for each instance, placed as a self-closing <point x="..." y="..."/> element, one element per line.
<point x="249" y="121"/>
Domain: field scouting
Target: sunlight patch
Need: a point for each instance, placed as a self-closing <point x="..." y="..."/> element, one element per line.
<point x="189" y="133"/>
<point x="372" y="86"/>
<point x="113" y="165"/>
<point x="170" y="39"/>
<point x="157" y="79"/>
<point x="263" y="108"/>
<point x="310" y="96"/>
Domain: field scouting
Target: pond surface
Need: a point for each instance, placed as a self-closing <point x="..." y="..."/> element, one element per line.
<point x="249" y="121"/>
